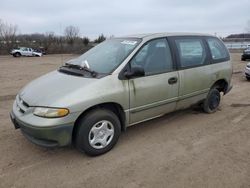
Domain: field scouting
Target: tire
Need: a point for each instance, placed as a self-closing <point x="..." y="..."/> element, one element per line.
<point x="243" y="59"/>
<point x="212" y="101"/>
<point x="17" y="54"/>
<point x="97" y="127"/>
<point x="248" y="78"/>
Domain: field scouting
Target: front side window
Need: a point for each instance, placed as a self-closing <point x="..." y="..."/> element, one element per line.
<point x="23" y="49"/>
<point x="191" y="52"/>
<point x="217" y="49"/>
<point x="154" y="57"/>
<point x="108" y="55"/>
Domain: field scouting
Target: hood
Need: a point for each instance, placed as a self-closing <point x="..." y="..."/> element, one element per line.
<point x="48" y="89"/>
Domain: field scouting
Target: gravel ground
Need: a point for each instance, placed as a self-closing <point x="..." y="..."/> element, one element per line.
<point x="182" y="149"/>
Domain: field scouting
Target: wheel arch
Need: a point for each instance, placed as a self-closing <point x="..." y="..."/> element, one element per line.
<point x="221" y="85"/>
<point x="112" y="106"/>
<point x="17" y="53"/>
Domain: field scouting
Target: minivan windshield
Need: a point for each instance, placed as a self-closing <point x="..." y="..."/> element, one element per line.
<point x="107" y="56"/>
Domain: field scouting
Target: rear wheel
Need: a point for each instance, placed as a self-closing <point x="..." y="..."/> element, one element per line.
<point x="212" y="101"/>
<point x="97" y="132"/>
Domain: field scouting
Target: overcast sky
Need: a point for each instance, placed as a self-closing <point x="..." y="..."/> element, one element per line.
<point x="113" y="17"/>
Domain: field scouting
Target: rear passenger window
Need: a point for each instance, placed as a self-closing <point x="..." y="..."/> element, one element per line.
<point x="217" y="49"/>
<point x="191" y="51"/>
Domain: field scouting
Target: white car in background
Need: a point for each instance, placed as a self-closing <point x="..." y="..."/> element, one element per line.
<point x="23" y="51"/>
<point x="247" y="72"/>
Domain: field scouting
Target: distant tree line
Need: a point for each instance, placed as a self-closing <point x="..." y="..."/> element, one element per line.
<point x="241" y="35"/>
<point x="70" y="42"/>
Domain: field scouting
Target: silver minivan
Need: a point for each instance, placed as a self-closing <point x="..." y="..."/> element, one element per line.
<point x="123" y="81"/>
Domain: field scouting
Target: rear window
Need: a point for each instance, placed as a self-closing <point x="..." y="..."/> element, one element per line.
<point x="218" y="49"/>
<point x="191" y="51"/>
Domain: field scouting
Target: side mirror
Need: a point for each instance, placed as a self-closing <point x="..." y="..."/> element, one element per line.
<point x="135" y="72"/>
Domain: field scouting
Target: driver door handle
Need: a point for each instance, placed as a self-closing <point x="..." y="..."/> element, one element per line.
<point x="172" y="80"/>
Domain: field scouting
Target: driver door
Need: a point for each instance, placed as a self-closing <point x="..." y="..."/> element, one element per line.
<point x="24" y="51"/>
<point x="155" y="93"/>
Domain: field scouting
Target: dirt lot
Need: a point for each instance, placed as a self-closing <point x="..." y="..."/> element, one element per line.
<point x="183" y="149"/>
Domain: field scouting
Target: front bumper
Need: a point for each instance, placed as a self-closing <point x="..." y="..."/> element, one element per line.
<point x="60" y="135"/>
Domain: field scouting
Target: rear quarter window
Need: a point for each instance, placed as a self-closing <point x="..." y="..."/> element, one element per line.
<point x="218" y="50"/>
<point x="191" y="51"/>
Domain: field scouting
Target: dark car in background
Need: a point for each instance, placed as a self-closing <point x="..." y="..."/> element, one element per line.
<point x="246" y="54"/>
<point x="40" y="50"/>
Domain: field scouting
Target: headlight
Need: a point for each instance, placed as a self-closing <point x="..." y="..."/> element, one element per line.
<point x="50" y="112"/>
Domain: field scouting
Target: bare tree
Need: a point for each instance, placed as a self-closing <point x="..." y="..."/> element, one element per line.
<point x="1" y="28"/>
<point x="111" y="36"/>
<point x="85" y="41"/>
<point x="8" y="34"/>
<point x="71" y="34"/>
<point x="49" y="39"/>
<point x="100" y="39"/>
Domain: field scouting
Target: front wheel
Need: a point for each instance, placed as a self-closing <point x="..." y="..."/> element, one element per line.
<point x="212" y="101"/>
<point x="97" y="132"/>
<point x="17" y="54"/>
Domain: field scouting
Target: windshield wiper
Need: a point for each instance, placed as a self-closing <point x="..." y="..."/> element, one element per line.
<point x="69" y="65"/>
